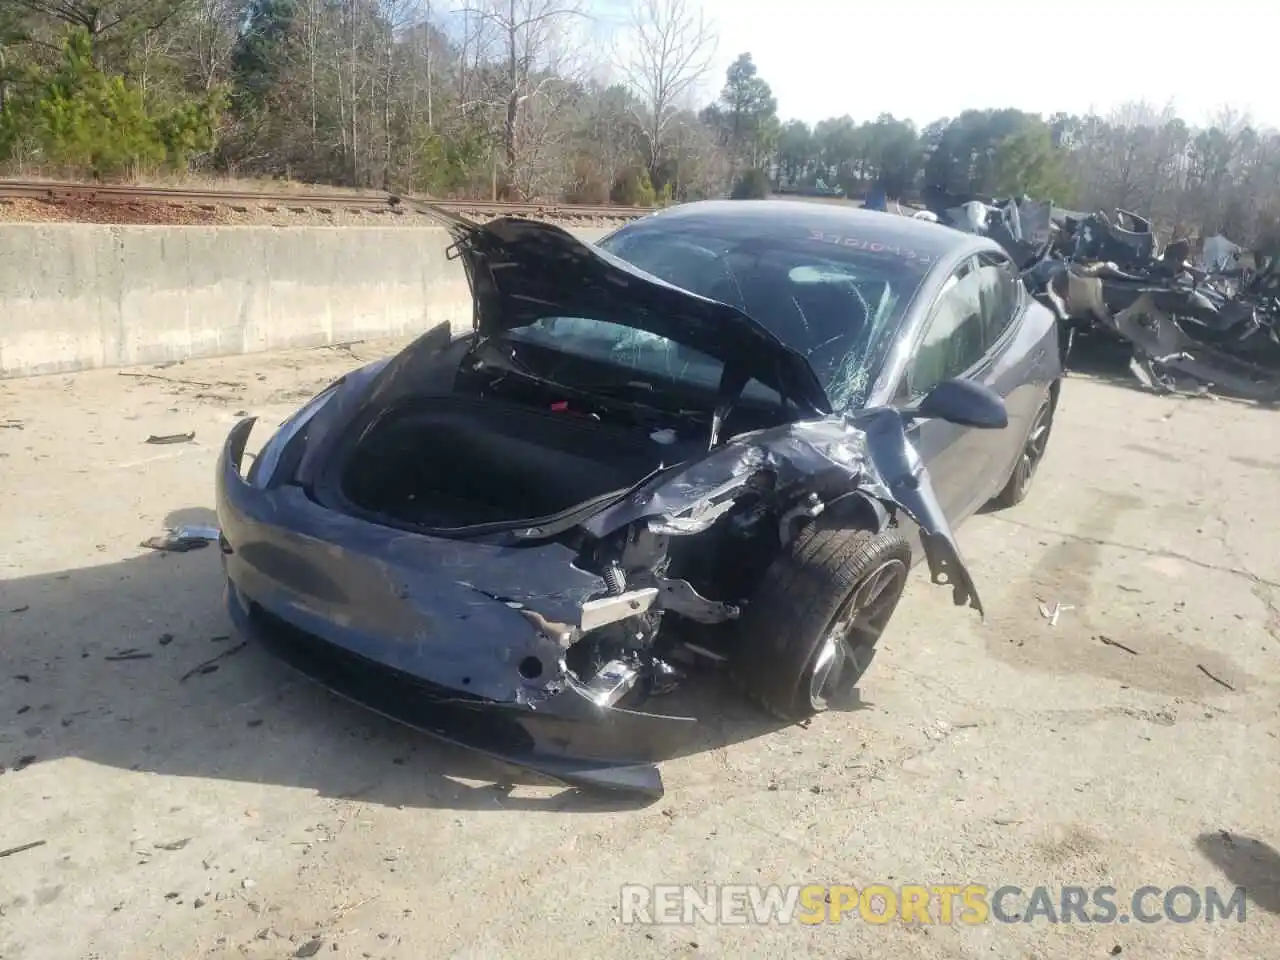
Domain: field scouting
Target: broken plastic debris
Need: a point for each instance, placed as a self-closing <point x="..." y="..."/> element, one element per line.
<point x="184" y="538"/>
<point x="172" y="437"/>
<point x="663" y="436"/>
<point x="1052" y="614"/>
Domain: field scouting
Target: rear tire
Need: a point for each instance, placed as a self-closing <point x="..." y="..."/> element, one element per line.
<point x="1029" y="457"/>
<point x="810" y="632"/>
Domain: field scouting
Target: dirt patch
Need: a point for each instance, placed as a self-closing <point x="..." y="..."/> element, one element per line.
<point x="1112" y="623"/>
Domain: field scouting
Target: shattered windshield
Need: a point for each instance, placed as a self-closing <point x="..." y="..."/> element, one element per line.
<point x="833" y="302"/>
<point x="644" y="353"/>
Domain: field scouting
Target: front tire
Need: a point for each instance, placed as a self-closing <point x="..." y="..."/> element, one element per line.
<point x="810" y="632"/>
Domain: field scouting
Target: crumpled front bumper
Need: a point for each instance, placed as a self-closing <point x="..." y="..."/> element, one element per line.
<point x="434" y="633"/>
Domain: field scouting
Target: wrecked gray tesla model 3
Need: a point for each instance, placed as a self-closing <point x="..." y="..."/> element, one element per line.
<point x="501" y="538"/>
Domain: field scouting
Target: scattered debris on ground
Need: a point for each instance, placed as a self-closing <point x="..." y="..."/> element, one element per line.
<point x="1218" y="680"/>
<point x="207" y="385"/>
<point x="21" y="848"/>
<point x="182" y="539"/>
<point x="1052" y="614"/>
<point x="1102" y="638"/>
<point x="168" y="438"/>
<point x="210" y="665"/>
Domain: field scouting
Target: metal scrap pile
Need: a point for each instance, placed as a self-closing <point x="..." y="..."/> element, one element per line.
<point x="1215" y="326"/>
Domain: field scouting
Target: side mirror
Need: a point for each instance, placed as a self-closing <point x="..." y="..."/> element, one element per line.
<point x="964" y="403"/>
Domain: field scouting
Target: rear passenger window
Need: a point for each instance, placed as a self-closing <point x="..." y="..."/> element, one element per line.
<point x="954" y="338"/>
<point x="999" y="296"/>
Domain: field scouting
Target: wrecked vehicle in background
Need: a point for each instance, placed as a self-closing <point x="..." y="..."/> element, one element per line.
<point x="1024" y="227"/>
<point x="1216" y="328"/>
<point x="510" y="539"/>
<point x="1216" y="325"/>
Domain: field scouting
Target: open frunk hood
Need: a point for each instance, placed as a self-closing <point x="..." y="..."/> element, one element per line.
<point x="522" y="271"/>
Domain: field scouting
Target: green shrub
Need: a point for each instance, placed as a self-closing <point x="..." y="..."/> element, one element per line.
<point x="634" y="189"/>
<point x="752" y="184"/>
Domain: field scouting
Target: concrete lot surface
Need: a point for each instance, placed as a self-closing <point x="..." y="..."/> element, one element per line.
<point x="242" y="812"/>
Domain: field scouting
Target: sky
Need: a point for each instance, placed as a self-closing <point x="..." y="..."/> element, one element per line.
<point x="925" y="59"/>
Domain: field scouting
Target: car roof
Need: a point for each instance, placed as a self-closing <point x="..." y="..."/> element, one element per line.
<point x="761" y="217"/>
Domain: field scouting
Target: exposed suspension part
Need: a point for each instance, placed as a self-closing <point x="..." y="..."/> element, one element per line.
<point x="615" y="579"/>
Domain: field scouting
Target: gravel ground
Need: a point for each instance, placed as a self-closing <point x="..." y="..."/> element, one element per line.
<point x="243" y="813"/>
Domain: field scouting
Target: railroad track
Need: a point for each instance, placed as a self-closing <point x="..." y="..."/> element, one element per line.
<point x="176" y="196"/>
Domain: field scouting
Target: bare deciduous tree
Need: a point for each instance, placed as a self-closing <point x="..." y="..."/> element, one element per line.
<point x="530" y="34"/>
<point x="212" y="28"/>
<point x="395" y="17"/>
<point x="311" y="27"/>
<point x="670" y="49"/>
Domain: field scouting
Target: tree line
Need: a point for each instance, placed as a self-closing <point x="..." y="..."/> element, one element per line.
<point x="524" y="99"/>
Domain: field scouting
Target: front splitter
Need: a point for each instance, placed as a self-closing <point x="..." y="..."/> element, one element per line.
<point x="565" y="738"/>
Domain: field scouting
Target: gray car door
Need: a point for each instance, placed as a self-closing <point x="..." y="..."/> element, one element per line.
<point x="1006" y="368"/>
<point x="951" y="344"/>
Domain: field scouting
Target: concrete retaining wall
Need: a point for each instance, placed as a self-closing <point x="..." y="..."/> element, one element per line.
<point x="78" y="296"/>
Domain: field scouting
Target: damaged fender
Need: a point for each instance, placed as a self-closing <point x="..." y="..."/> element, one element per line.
<point x="868" y="452"/>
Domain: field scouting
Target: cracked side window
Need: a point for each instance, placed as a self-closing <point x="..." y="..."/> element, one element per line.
<point x="954" y="338"/>
<point x="999" y="296"/>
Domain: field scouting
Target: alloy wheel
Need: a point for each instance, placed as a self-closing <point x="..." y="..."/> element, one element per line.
<point x="1034" y="449"/>
<point x="850" y="641"/>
